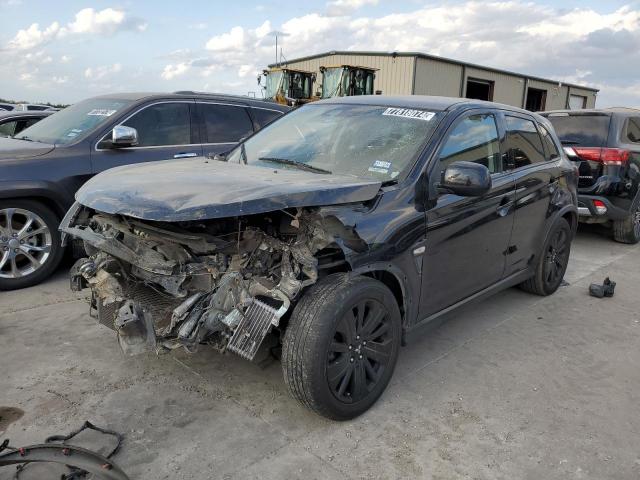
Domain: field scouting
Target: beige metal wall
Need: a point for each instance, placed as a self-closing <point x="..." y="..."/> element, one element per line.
<point x="506" y="88"/>
<point x="591" y="96"/>
<point x="394" y="77"/>
<point x="557" y="94"/>
<point x="437" y="78"/>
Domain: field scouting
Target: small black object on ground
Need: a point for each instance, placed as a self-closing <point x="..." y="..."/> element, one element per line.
<point x="605" y="290"/>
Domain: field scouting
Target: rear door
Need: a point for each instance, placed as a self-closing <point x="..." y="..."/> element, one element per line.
<point x="222" y="125"/>
<point x="467" y="236"/>
<point x="537" y="175"/>
<point x="165" y="131"/>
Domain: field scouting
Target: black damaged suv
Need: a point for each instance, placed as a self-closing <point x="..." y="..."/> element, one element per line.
<point x="42" y="167"/>
<point x="341" y="228"/>
<point x="605" y="145"/>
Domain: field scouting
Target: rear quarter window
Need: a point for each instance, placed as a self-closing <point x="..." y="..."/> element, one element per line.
<point x="581" y="130"/>
<point x="263" y="117"/>
<point x="632" y="130"/>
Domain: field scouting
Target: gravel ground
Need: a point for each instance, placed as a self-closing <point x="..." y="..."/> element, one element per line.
<point x="516" y="387"/>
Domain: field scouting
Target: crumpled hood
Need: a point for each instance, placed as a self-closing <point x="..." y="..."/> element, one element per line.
<point x="197" y="189"/>
<point x="13" y="149"/>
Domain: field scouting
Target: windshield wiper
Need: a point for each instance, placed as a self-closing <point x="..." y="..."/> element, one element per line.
<point x="24" y="137"/>
<point x="300" y="165"/>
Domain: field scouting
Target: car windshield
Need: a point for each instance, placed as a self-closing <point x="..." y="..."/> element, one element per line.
<point x="588" y="130"/>
<point x="75" y="121"/>
<point x="361" y="140"/>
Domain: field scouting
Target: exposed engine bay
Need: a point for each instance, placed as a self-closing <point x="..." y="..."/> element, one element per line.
<point x="224" y="282"/>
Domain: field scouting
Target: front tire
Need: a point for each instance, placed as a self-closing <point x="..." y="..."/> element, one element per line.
<point x="552" y="263"/>
<point x="628" y="230"/>
<point x="30" y="249"/>
<point x="341" y="345"/>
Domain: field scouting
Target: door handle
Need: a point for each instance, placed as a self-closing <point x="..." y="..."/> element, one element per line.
<point x="185" y="155"/>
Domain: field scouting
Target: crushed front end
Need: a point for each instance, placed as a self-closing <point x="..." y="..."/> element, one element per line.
<point x="224" y="282"/>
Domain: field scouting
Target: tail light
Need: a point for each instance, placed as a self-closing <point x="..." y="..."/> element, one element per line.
<point x="606" y="156"/>
<point x="600" y="207"/>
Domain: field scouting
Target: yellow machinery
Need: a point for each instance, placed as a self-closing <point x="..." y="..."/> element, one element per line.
<point x="347" y="81"/>
<point x="288" y="86"/>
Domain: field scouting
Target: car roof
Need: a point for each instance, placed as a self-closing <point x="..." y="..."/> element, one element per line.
<point x="249" y="101"/>
<point x="25" y="114"/>
<point x="587" y="111"/>
<point x="423" y="102"/>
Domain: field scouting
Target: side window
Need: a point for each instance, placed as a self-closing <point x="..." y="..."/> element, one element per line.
<point x="633" y="130"/>
<point x="264" y="117"/>
<point x="225" y="123"/>
<point x="474" y="139"/>
<point x="523" y="142"/>
<point x="8" y="129"/>
<point x="549" y="144"/>
<point x="162" y="124"/>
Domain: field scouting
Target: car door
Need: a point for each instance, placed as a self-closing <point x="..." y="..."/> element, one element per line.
<point x="537" y="175"/>
<point x="222" y="125"/>
<point x="467" y="236"/>
<point x="165" y="131"/>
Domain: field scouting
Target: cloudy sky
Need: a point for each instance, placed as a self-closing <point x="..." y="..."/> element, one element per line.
<point x="67" y="50"/>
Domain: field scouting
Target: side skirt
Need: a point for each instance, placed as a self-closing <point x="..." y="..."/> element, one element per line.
<point x="436" y="319"/>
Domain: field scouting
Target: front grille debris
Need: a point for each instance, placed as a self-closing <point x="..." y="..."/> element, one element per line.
<point x="252" y="329"/>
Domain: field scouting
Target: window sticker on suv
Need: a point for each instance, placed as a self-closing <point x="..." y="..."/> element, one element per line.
<point x="409" y="113"/>
<point x="101" y="112"/>
<point x="380" y="167"/>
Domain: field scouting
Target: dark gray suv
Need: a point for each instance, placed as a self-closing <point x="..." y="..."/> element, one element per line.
<point x="43" y="166"/>
<point x="605" y="146"/>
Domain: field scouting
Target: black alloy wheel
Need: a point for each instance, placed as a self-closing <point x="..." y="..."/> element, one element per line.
<point x="360" y="351"/>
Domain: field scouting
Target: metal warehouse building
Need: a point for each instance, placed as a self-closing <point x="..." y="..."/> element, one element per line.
<point x="409" y="73"/>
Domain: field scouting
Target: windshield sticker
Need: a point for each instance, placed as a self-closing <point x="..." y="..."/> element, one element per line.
<point x="409" y="113"/>
<point x="101" y="112"/>
<point x="380" y="167"/>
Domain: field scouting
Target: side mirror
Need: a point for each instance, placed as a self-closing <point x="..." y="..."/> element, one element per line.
<point x="122" y="136"/>
<point x="467" y="179"/>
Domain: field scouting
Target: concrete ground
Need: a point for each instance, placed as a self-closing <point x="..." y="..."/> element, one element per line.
<point x="517" y="387"/>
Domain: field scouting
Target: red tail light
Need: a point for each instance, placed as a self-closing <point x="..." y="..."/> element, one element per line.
<point x="608" y="156"/>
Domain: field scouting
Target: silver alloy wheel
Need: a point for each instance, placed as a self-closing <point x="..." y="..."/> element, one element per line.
<point x="25" y="242"/>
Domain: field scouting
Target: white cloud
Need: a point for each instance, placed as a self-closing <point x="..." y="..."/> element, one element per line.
<point x="245" y="70"/>
<point x="59" y="80"/>
<point x="102" y="71"/>
<point x="107" y="21"/>
<point x="32" y="37"/>
<point x="235" y="39"/>
<point x="65" y="59"/>
<point x="172" y="71"/>
<point x="344" y="7"/>
<point x="87" y="21"/>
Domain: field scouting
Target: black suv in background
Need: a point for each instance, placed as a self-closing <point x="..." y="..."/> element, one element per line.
<point x="43" y="166"/>
<point x="605" y="145"/>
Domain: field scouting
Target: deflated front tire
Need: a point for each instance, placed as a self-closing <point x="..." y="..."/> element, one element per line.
<point x="341" y="345"/>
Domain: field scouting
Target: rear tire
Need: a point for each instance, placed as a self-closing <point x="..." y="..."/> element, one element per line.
<point x="30" y="249"/>
<point x="341" y="345"/>
<point x="628" y="230"/>
<point x="553" y="261"/>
